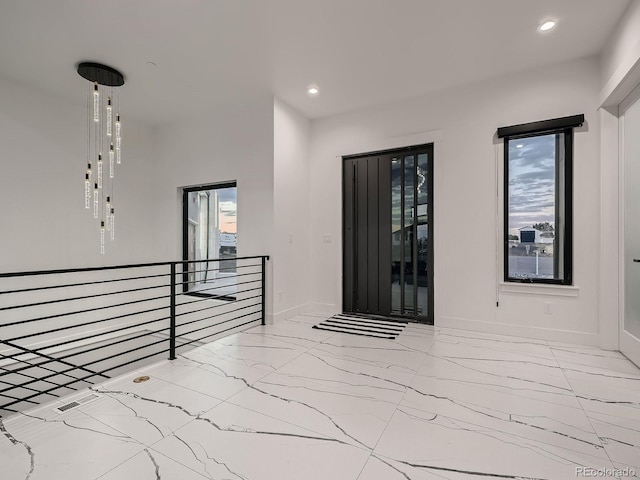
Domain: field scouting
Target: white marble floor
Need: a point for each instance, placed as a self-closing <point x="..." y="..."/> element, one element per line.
<point x="290" y="402"/>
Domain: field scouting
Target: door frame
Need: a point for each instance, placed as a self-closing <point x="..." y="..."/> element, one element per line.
<point x="629" y="344"/>
<point x="430" y="147"/>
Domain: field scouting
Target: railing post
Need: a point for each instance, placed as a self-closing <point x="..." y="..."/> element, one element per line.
<point x="264" y="289"/>
<point x="172" y="314"/>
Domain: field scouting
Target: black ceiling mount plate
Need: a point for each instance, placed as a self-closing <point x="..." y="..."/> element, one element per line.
<point x="101" y="74"/>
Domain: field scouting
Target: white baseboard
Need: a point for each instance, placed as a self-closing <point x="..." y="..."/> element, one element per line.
<point x="327" y="308"/>
<point x="525" y="331"/>
<point x="288" y="313"/>
<point x="321" y="308"/>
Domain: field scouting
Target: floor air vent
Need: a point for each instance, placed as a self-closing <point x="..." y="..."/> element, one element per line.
<point x="76" y="403"/>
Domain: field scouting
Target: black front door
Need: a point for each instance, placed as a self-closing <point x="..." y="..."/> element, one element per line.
<point x="388" y="233"/>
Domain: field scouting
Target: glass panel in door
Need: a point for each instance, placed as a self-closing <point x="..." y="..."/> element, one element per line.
<point x="408" y="236"/>
<point x="422" y="244"/>
<point x="396" y="234"/>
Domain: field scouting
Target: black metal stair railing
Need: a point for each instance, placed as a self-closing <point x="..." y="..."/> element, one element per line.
<point x="62" y="330"/>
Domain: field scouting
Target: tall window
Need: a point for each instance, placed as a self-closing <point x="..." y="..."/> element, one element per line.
<point x="209" y="239"/>
<point x="538" y="201"/>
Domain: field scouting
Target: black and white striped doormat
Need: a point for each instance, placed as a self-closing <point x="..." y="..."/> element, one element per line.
<point x="361" y="325"/>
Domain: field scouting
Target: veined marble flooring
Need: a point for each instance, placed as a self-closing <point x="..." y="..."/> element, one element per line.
<point x="290" y="402"/>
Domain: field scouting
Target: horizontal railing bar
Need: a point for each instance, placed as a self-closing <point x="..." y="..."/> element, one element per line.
<point x="191" y="312"/>
<point x="182" y="282"/>
<point x="108" y="332"/>
<point x="86" y="338"/>
<point x="127" y="351"/>
<point x="82" y="284"/>
<point x="215" y="269"/>
<point x="130" y="327"/>
<point x="65" y="385"/>
<point x="103" y="372"/>
<point x="89" y="376"/>
<point x="216" y="306"/>
<point x="38" y="392"/>
<point x="218" y="333"/>
<point x="209" y="297"/>
<point x="32" y="378"/>
<point x="46" y="377"/>
<point x="28" y="376"/>
<point x="117" y="317"/>
<point x="13" y="345"/>
<point x="136" y="360"/>
<point x="146" y="346"/>
<point x="214" y="316"/>
<point x="125" y="279"/>
<point x="117" y="267"/>
<point x="28" y="401"/>
<point x="217" y="324"/>
<point x="84" y="297"/>
<point x="93" y="322"/>
<point x="214" y="288"/>
<point x="86" y="310"/>
<point x="100" y="373"/>
<point x="145" y="334"/>
<point x="75" y="312"/>
<point x="135" y="333"/>
<point x="206" y="299"/>
<point x="19" y="370"/>
<point x="46" y="392"/>
<point x="195" y="292"/>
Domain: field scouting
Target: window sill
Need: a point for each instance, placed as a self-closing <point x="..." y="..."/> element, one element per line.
<point x="539" y="289"/>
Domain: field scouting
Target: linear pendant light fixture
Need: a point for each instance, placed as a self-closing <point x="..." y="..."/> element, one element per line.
<point x="104" y="144"/>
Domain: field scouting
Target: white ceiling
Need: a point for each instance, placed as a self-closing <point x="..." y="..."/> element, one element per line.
<point x="359" y="52"/>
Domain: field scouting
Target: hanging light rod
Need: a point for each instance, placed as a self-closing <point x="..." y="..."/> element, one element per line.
<point x="104" y="143"/>
<point x="101" y="74"/>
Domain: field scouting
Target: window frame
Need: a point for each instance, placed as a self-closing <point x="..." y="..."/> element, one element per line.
<point x="185" y="237"/>
<point x="563" y="127"/>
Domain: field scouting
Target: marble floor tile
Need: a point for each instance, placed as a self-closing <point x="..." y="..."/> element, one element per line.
<point x="234" y="443"/>
<point x="149" y="411"/>
<point x="151" y="465"/>
<point x="201" y="373"/>
<point x="42" y="445"/>
<point x="518" y="377"/>
<point x="608" y="388"/>
<point x="286" y="401"/>
<point x="292" y="332"/>
<point x="592" y="359"/>
<point x="330" y="396"/>
<point x="379" y="467"/>
<point x="372" y="357"/>
<point x="417" y="337"/>
<point x="467" y="438"/>
<point x="258" y="351"/>
<point x="501" y="346"/>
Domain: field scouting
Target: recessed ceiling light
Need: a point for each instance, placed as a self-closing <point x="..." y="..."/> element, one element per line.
<point x="547" y="25"/>
<point x="313" y="90"/>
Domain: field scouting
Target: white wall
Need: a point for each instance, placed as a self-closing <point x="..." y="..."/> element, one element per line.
<point x="463" y="123"/>
<point x="620" y="59"/>
<point x="232" y="142"/>
<point x="620" y="73"/>
<point x="291" y="252"/>
<point x="43" y="222"/>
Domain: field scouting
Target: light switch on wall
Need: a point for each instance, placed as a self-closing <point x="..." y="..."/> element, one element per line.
<point x="327" y="238"/>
